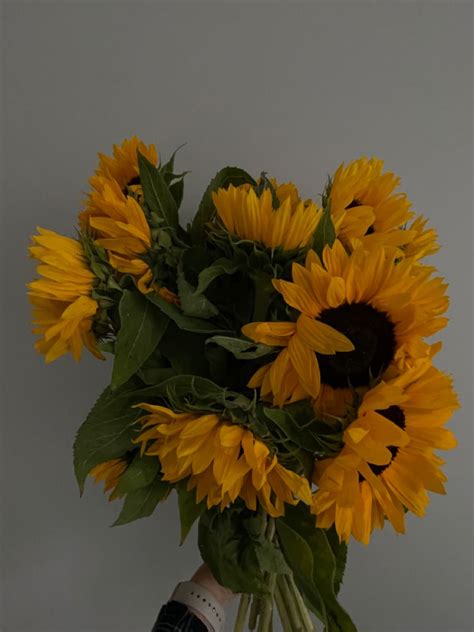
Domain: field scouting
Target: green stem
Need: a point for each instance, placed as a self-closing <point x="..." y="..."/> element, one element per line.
<point x="263" y="293"/>
<point x="282" y="611"/>
<point x="290" y="603"/>
<point x="302" y="609"/>
<point x="242" y="613"/>
<point x="254" y="613"/>
<point x="265" y="621"/>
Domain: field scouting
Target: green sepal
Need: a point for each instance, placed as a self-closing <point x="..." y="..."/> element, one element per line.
<point x="157" y="194"/>
<point x="141" y="472"/>
<point x="311" y="557"/>
<point x="142" y="502"/>
<point x="325" y="233"/>
<point x="298" y="423"/>
<point x="206" y="210"/>
<point x="142" y="328"/>
<point x="189" y="509"/>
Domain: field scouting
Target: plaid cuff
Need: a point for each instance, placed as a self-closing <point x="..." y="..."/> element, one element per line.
<point x="175" y="617"/>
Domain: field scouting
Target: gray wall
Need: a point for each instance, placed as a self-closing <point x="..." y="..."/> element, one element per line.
<point x="290" y="88"/>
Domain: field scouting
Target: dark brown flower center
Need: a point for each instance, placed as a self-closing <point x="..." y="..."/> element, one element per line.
<point x="373" y="335"/>
<point x="354" y="204"/>
<point x="395" y="414"/>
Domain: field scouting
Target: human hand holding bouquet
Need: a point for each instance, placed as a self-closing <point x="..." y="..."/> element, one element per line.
<point x="271" y="366"/>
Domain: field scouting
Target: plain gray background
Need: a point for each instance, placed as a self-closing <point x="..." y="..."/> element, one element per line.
<point x="290" y="88"/>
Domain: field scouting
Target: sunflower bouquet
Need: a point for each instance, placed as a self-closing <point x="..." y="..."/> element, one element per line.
<point x="271" y="366"/>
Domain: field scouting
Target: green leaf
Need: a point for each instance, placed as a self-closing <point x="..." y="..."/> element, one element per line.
<point x="339" y="550"/>
<point x="271" y="559"/>
<point x="188" y="323"/>
<point x="294" y="421"/>
<point x="206" y="210"/>
<point x="177" y="191"/>
<point x="218" y="268"/>
<point x="230" y="553"/>
<point x="154" y="375"/>
<point x="142" y="502"/>
<point x="184" y="350"/>
<point x="141" y="472"/>
<point x="325" y="233"/>
<point x="142" y="327"/>
<point x="192" y="387"/>
<point x="157" y="195"/>
<point x="189" y="509"/>
<point x="106" y="346"/>
<point x="194" y="303"/>
<point x="240" y="348"/>
<point x="310" y="556"/>
<point x="108" y="431"/>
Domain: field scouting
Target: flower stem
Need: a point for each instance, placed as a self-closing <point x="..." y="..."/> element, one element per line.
<point x="242" y="613"/>
<point x="302" y="609"/>
<point x="290" y="604"/>
<point x="254" y="613"/>
<point x="263" y="293"/>
<point x="265" y="621"/>
<point x="282" y="610"/>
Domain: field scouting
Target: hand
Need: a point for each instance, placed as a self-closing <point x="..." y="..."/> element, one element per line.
<point x="204" y="578"/>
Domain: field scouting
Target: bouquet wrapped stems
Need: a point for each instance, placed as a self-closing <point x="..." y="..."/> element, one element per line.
<point x="282" y="593"/>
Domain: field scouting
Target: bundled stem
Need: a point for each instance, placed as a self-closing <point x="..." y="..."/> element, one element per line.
<point x="282" y="591"/>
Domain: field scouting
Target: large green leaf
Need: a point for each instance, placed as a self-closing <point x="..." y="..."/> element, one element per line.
<point x="325" y="233"/>
<point x="108" y="431"/>
<point x="188" y="323"/>
<point x="309" y="554"/>
<point x="142" y="502"/>
<point x="206" y="210"/>
<point x="158" y="196"/>
<point x="141" y="472"/>
<point x="189" y="509"/>
<point x="142" y="327"/>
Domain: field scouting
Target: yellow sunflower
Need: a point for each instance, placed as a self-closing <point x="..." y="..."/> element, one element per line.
<point x="222" y="461"/>
<point x="388" y="461"/>
<point x="123" y="165"/>
<point x="367" y="209"/>
<point x="63" y="309"/>
<point x="117" y="220"/>
<point x="363" y="304"/>
<point x="110" y="472"/>
<point x="252" y="216"/>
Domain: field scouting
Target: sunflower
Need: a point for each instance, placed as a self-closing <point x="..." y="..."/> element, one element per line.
<point x="110" y="472"/>
<point x="252" y="215"/>
<point x="222" y="461"/>
<point x="124" y="233"/>
<point x="116" y="177"/>
<point x="63" y="309"/>
<point x="388" y="461"/>
<point x="361" y="303"/>
<point x="367" y="209"/>
<point x="117" y="220"/>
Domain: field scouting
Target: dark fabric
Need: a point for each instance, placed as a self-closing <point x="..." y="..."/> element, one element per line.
<point x="175" y="617"/>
